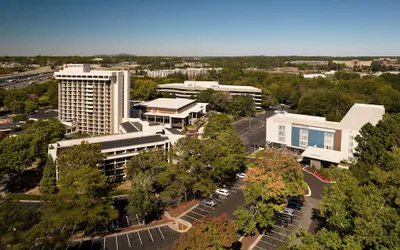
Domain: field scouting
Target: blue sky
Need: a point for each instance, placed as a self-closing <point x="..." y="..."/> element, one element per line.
<point x="199" y="28"/>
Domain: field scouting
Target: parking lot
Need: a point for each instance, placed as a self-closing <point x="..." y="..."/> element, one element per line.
<point x="154" y="238"/>
<point x="277" y="235"/>
<point x="223" y="204"/>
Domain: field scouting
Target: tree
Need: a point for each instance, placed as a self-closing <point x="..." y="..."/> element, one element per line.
<point x="242" y="106"/>
<point x="17" y="107"/>
<point x="275" y="178"/>
<point x="2" y="135"/>
<point x="188" y="172"/>
<point x="84" y="154"/>
<point x="374" y="145"/>
<point x="142" y="199"/>
<point x="217" y="123"/>
<point x="215" y="233"/>
<point x="148" y="161"/>
<point x="143" y="90"/>
<point x="31" y="106"/>
<point x="82" y="190"/>
<point x="48" y="181"/>
<point x="15" y="223"/>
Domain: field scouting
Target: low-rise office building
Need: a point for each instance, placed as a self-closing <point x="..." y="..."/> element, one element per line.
<point x="319" y="140"/>
<point x="353" y="63"/>
<point x="188" y="89"/>
<point x="119" y="149"/>
<point x="174" y="113"/>
<point x="316" y="63"/>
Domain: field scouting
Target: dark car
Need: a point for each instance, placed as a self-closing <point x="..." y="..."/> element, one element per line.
<point x="280" y="221"/>
<point x="294" y="205"/>
<point x="297" y="200"/>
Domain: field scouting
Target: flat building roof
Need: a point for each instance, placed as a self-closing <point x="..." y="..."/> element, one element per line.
<point x="168" y="103"/>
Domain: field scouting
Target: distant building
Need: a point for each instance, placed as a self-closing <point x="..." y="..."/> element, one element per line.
<point x="310" y="76"/>
<point x="93" y="102"/>
<point x="190" y="72"/>
<point x="353" y="63"/>
<point x="175" y="113"/>
<point x="119" y="149"/>
<point x="319" y="140"/>
<point x="316" y="63"/>
<point x="189" y="89"/>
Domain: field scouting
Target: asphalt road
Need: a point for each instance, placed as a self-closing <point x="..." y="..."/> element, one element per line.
<point x="252" y="130"/>
<point x="316" y="186"/>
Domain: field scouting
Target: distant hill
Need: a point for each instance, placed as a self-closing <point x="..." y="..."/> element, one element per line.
<point x="120" y="54"/>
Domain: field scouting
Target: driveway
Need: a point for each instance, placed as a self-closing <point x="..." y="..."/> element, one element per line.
<point x="316" y="186"/>
<point x="252" y="130"/>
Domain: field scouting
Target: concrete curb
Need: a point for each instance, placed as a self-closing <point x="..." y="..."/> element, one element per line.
<point x="256" y="241"/>
<point x="309" y="191"/>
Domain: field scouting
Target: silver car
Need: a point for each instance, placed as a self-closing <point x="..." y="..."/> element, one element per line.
<point x="209" y="202"/>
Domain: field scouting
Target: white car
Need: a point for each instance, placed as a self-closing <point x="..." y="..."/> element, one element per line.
<point x="222" y="191"/>
<point x="241" y="175"/>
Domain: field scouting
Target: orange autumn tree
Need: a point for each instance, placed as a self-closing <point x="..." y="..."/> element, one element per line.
<point x="275" y="178"/>
<point x="215" y="233"/>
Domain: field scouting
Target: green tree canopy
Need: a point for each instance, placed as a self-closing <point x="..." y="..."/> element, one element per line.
<point x="275" y="178"/>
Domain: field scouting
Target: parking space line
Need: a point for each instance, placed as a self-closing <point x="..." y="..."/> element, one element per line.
<point x="208" y="206"/>
<point x="283" y="228"/>
<point x="129" y="242"/>
<point x="190" y="217"/>
<point x="274" y="238"/>
<point x="280" y="233"/>
<point x="140" y="238"/>
<point x="202" y="210"/>
<point x="137" y="218"/>
<point x="91" y="246"/>
<point x="218" y="200"/>
<point x="260" y="248"/>
<point x="116" y="241"/>
<point x="104" y="243"/>
<point x="69" y="242"/>
<point x="34" y="204"/>
<point x="161" y="233"/>
<point x="202" y="215"/>
<point x="80" y="243"/>
<point x="151" y="236"/>
<point x="267" y="243"/>
<point x="73" y="229"/>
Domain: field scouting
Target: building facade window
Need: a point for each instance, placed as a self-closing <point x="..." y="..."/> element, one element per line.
<point x="328" y="140"/>
<point x="281" y="133"/>
<point x="303" y="139"/>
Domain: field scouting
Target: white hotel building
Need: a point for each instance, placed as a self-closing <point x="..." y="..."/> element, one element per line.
<point x="192" y="88"/>
<point x="321" y="141"/>
<point x="93" y="102"/>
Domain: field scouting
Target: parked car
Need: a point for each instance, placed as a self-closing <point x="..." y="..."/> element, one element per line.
<point x="222" y="191"/>
<point x="288" y="211"/>
<point x="280" y="221"/>
<point x="240" y="175"/>
<point x="296" y="200"/>
<point x="294" y="205"/>
<point x="209" y="202"/>
<point x="284" y="216"/>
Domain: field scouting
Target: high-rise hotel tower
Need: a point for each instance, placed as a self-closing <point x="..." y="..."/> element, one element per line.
<point x="92" y="102"/>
